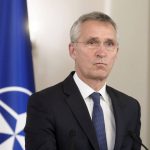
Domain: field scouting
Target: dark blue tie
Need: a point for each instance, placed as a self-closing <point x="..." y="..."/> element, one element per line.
<point x="98" y="121"/>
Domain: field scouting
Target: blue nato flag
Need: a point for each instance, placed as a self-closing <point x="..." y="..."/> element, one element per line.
<point x="16" y="73"/>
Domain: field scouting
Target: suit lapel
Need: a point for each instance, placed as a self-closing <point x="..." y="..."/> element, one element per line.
<point x="117" y="108"/>
<point x="79" y="109"/>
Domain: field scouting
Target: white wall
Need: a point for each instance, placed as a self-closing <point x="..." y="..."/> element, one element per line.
<point x="50" y="22"/>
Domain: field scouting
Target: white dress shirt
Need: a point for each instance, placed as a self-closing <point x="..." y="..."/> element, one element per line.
<point x="106" y="105"/>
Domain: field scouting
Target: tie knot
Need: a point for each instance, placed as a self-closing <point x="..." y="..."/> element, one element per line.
<point x="96" y="97"/>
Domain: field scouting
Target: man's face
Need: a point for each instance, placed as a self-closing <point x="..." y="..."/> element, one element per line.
<point x="95" y="51"/>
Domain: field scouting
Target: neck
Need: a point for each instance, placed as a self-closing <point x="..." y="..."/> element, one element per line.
<point x="95" y="84"/>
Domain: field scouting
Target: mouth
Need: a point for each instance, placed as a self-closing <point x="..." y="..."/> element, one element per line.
<point x="100" y="66"/>
<point x="100" y="63"/>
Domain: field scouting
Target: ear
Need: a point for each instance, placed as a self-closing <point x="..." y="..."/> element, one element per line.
<point x="117" y="52"/>
<point x="72" y="50"/>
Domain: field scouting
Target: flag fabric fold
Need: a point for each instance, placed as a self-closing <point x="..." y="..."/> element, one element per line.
<point x="16" y="73"/>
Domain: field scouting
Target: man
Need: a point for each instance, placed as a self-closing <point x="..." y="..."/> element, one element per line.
<point x="63" y="117"/>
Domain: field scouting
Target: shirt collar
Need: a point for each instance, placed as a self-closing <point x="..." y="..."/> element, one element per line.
<point x="86" y="90"/>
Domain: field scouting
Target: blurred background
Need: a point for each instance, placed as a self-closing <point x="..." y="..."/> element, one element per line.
<point x="49" y="25"/>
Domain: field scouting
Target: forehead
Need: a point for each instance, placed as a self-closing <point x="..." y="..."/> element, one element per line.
<point x="92" y="28"/>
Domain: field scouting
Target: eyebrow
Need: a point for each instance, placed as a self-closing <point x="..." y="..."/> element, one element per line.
<point x="96" y="38"/>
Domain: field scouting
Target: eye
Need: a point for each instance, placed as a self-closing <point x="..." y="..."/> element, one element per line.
<point x="109" y="43"/>
<point x="92" y="42"/>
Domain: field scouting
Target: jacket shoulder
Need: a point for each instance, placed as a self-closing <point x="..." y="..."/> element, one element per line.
<point x="125" y="98"/>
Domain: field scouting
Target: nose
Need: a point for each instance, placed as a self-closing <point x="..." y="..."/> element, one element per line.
<point x="101" y="51"/>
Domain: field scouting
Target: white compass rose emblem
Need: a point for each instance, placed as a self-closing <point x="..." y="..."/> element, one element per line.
<point x="13" y="117"/>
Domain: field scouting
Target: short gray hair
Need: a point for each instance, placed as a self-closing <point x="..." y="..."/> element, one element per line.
<point x="97" y="16"/>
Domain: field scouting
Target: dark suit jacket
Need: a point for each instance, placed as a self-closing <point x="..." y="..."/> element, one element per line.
<point x="58" y="119"/>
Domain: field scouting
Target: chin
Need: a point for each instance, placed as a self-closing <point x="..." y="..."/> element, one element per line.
<point x="101" y="74"/>
<point x="101" y="78"/>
